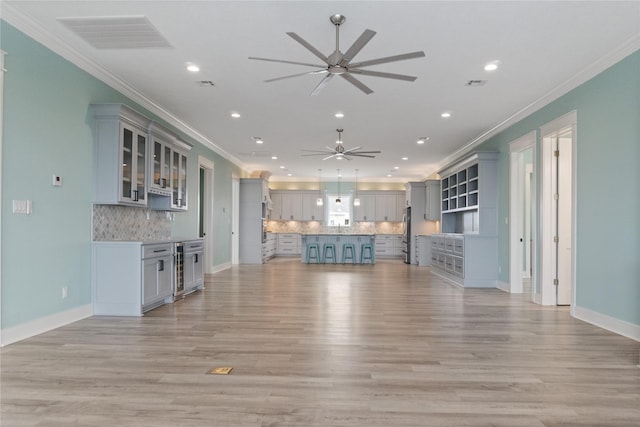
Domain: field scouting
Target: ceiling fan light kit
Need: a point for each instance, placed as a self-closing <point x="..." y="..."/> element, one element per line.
<point x="339" y="152"/>
<point x="339" y="64"/>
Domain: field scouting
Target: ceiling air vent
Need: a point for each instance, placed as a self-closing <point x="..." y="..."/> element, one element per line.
<point x="205" y="83"/>
<point x="475" y="83"/>
<point x="116" y="32"/>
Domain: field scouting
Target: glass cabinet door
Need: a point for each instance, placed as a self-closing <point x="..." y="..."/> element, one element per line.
<point x="166" y="167"/>
<point x="141" y="154"/>
<point x="175" y="179"/>
<point x="127" y="164"/>
<point x="157" y="163"/>
<point x="183" y="181"/>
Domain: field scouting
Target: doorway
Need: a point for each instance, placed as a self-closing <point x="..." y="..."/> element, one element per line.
<point x="522" y="216"/>
<point x="205" y="209"/>
<point x="558" y="211"/>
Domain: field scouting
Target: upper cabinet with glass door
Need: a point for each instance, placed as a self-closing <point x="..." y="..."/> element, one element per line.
<point x="167" y="170"/>
<point x="120" y="155"/>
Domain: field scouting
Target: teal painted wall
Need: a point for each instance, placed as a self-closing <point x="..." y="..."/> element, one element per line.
<point x="608" y="194"/>
<point x="47" y="131"/>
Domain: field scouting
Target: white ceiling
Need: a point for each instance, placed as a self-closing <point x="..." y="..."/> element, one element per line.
<point x="544" y="49"/>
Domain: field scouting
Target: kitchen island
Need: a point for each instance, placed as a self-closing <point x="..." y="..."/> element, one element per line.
<point x="338" y="240"/>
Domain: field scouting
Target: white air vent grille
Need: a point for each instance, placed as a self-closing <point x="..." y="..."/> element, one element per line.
<point x="116" y="32"/>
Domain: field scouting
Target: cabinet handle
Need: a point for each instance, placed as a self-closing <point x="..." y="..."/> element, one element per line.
<point x="159" y="250"/>
<point x="195" y="258"/>
<point x="135" y="195"/>
<point x="161" y="265"/>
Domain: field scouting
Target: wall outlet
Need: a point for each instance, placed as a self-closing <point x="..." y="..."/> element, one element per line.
<point x="65" y="292"/>
<point x="56" y="181"/>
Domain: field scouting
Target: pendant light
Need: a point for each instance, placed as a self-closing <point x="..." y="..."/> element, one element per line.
<point x="319" y="201"/>
<point x="356" y="201"/>
<point x="338" y="200"/>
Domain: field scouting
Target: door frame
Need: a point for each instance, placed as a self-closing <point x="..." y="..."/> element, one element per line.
<point x="235" y="220"/>
<point x="547" y="220"/>
<point x="207" y="222"/>
<point x="516" y="212"/>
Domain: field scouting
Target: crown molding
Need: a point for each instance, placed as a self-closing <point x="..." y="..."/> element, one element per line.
<point x="34" y="30"/>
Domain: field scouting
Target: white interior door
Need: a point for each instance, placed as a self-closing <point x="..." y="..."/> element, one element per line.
<point x="558" y="212"/>
<point x="235" y="221"/>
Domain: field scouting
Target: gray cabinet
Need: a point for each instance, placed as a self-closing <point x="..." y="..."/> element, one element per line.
<point x="193" y="265"/>
<point x="157" y="274"/>
<point x="288" y="244"/>
<point x="387" y="206"/>
<point x="367" y="209"/>
<point x="310" y="209"/>
<point x="120" y="155"/>
<point x="423" y="253"/>
<point x="432" y="200"/>
<point x="291" y="207"/>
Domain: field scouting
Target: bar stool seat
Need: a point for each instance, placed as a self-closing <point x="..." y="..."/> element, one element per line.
<point x="348" y="253"/>
<point x="313" y="253"/>
<point x="366" y="253"/>
<point x="328" y="252"/>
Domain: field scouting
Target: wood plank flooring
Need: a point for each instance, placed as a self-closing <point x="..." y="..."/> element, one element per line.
<point x="326" y="345"/>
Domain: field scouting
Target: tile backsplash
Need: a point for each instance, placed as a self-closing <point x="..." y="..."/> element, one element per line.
<point x="311" y="227"/>
<point x="112" y="222"/>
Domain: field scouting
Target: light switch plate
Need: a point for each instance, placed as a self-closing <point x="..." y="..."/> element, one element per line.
<point x="56" y="181"/>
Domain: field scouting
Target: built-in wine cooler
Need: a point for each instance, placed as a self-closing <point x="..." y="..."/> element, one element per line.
<point x="178" y="281"/>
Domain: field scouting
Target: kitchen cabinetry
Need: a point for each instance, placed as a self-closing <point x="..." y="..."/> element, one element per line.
<point x="423" y="251"/>
<point x="388" y="207"/>
<point x="467" y="251"/>
<point x="276" y="206"/>
<point x="120" y="155"/>
<point x="388" y="245"/>
<point x="167" y="170"/>
<point x="291" y="207"/>
<point x="432" y="200"/>
<point x="367" y="209"/>
<point x="193" y="265"/>
<point x="288" y="244"/>
<point x="251" y="221"/>
<point x="129" y="278"/>
<point x="269" y="247"/>
<point x="310" y="209"/>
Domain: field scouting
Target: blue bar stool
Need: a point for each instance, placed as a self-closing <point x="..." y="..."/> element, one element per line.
<point x="349" y="253"/>
<point x="328" y="252"/>
<point x="366" y="253"/>
<point x="313" y="253"/>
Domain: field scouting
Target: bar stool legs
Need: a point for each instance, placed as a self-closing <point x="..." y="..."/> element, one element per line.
<point x="348" y="253"/>
<point x="328" y="252"/>
<point x="366" y="253"/>
<point x="313" y="253"/>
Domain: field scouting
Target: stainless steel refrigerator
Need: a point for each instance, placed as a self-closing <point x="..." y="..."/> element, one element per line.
<point x="406" y="235"/>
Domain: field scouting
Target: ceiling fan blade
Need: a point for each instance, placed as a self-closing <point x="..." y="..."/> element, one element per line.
<point x="385" y="75"/>
<point x="328" y="157"/>
<point x="322" y="84"/>
<point x="367" y="152"/>
<point x="295" y="75"/>
<point x="351" y="149"/>
<point x="361" y="155"/>
<point x="394" y="58"/>
<point x="285" y="62"/>
<point x="314" y="154"/>
<point x="318" y="151"/>
<point x="310" y="48"/>
<point x="357" y="47"/>
<point x="357" y="83"/>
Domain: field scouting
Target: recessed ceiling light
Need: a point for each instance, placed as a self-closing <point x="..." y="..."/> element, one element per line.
<point x="445" y="115"/>
<point x="289" y="174"/>
<point x="274" y="157"/>
<point x="281" y="167"/>
<point x="491" y="66"/>
<point x="258" y="140"/>
<point x="423" y="139"/>
<point x="235" y="115"/>
<point x="193" y="68"/>
<point x="389" y="175"/>
<point x="339" y="115"/>
<point x="405" y="158"/>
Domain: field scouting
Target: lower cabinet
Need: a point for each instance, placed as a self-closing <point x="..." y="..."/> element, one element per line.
<point x="466" y="259"/>
<point x="423" y="254"/>
<point x="269" y="247"/>
<point x="157" y="275"/>
<point x="288" y="244"/>
<point x="193" y="265"/>
<point x="388" y="245"/>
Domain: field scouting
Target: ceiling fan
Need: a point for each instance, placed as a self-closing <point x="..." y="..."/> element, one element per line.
<point x="338" y="63"/>
<point x="339" y="152"/>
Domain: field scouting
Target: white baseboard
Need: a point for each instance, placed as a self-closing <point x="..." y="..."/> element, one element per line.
<point x="44" y="324"/>
<point x="504" y="286"/>
<point x="220" y="267"/>
<point x="609" y="323"/>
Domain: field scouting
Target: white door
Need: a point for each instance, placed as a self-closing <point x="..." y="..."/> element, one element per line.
<point x="558" y="212"/>
<point x="235" y="221"/>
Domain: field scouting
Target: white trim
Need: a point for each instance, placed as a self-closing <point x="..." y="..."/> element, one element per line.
<point x="503" y="286"/>
<point x="516" y="201"/>
<point x="55" y="44"/>
<point x="220" y="267"/>
<point x="235" y="220"/>
<point x="2" y="71"/>
<point x="614" y="56"/>
<point x="45" y="324"/>
<point x="208" y="166"/>
<point x="609" y="323"/>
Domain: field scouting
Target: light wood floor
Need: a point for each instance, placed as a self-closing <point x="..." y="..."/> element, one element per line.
<point x="314" y="345"/>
